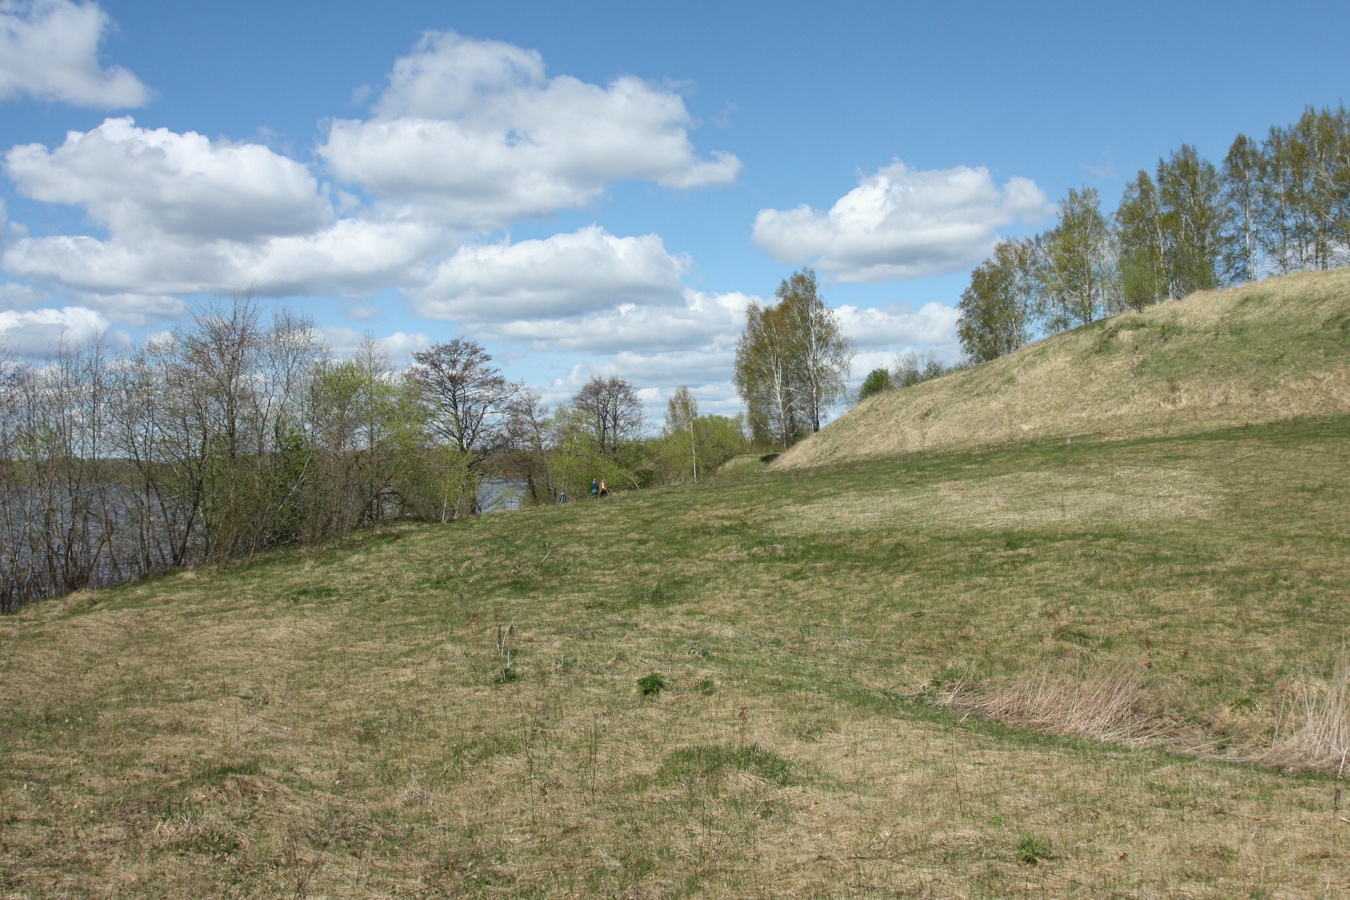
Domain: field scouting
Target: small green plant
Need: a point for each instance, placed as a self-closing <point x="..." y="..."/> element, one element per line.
<point x="651" y="685"/>
<point x="715" y="760"/>
<point x="507" y="675"/>
<point x="1031" y="849"/>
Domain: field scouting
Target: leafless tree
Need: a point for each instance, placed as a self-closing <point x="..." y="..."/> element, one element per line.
<point x="613" y="410"/>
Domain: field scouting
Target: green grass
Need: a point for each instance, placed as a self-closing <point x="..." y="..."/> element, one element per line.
<point x="852" y="662"/>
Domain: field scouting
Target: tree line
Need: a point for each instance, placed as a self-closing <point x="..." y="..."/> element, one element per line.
<point x="240" y="432"/>
<point x="1276" y="206"/>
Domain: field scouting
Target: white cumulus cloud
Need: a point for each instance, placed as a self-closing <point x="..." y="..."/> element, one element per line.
<point x="153" y="182"/>
<point x="37" y="332"/>
<point x="934" y="323"/>
<point x="695" y="320"/>
<point x="353" y="257"/>
<point x="562" y="276"/>
<point x="49" y="51"/>
<point x="475" y="133"/>
<point x="901" y="223"/>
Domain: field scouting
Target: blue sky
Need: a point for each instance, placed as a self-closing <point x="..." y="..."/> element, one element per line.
<point x="594" y="187"/>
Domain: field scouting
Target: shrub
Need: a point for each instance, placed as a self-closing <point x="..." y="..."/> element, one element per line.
<point x="877" y="380"/>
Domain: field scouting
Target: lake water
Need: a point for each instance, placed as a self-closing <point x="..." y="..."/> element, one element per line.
<point x="111" y="555"/>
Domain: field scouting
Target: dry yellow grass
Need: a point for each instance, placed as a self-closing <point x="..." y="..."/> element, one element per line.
<point x="1268" y="351"/>
<point x="1103" y="706"/>
<point x="1022" y="499"/>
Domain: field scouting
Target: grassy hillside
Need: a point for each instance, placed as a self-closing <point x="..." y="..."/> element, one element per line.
<point x="1098" y="669"/>
<point x="1264" y="352"/>
<point x="1009" y="665"/>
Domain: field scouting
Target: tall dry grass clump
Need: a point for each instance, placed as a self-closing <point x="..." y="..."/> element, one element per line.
<point x="1312" y="728"/>
<point x="1106" y="706"/>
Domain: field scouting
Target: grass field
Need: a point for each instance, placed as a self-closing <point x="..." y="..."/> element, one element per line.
<point x="1092" y="668"/>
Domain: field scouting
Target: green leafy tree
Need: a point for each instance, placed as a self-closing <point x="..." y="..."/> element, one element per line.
<point x="720" y="438"/>
<point x="1081" y="283"/>
<point x="1306" y="192"/>
<point x="1143" y="244"/>
<point x="1242" y="196"/>
<point x="824" y="354"/>
<point x="692" y="445"/>
<point x="681" y="430"/>
<point x="575" y="457"/>
<point x="1190" y="200"/>
<point x="766" y="355"/>
<point x="365" y="427"/>
<point x="996" y="308"/>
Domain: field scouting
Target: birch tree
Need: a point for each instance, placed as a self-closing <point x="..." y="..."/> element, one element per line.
<point x="1081" y="282"/>
<point x="1242" y="196"/>
<point x="792" y="361"/>
<point x="1190" y="202"/>
<point x="1143" y="244"/>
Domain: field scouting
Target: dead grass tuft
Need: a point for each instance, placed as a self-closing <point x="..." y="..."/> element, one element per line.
<point x="243" y="787"/>
<point x="1105" y="707"/>
<point x="415" y="795"/>
<point x="1312" y="729"/>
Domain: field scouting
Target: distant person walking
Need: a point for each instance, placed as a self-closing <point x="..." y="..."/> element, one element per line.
<point x="562" y="496"/>
<point x="595" y="488"/>
<point x="604" y="488"/>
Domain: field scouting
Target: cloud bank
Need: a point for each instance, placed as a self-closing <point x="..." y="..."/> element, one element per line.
<point x="468" y="137"/>
<point x="35" y="332"/>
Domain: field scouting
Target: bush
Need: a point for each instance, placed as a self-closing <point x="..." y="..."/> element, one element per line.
<point x="651" y="684"/>
<point x="877" y="380"/>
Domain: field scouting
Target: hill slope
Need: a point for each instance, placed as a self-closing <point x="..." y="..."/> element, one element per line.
<point x="1267" y="351"/>
<point x="454" y="710"/>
